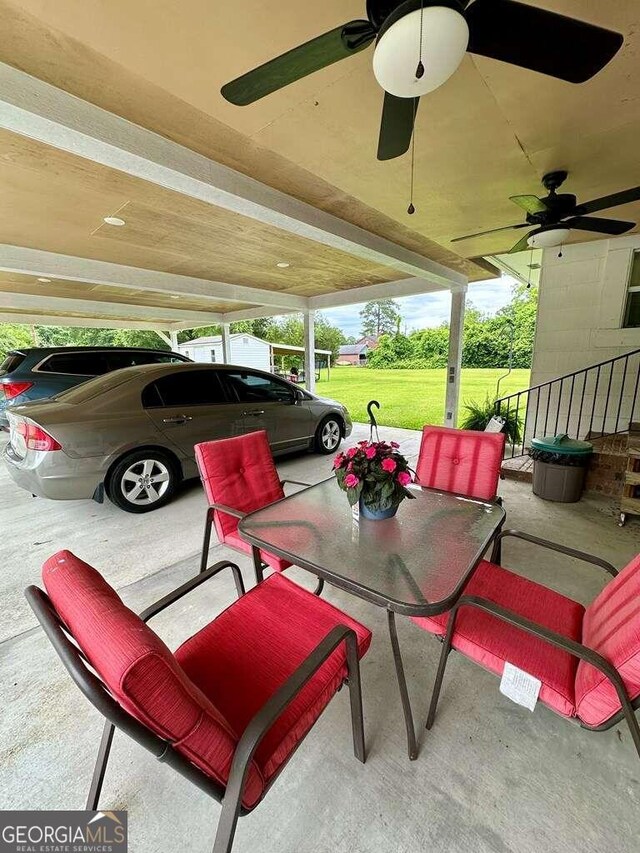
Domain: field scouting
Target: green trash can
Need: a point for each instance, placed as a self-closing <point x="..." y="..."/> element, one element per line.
<point x="559" y="467"/>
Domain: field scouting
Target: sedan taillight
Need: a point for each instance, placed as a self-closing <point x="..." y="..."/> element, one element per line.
<point x="14" y="389"/>
<point x="35" y="438"/>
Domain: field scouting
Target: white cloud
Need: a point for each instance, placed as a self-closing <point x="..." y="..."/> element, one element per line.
<point x="429" y="309"/>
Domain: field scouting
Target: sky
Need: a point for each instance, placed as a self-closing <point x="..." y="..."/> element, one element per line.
<point x="429" y="309"/>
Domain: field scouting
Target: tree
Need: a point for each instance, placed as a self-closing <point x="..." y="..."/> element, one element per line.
<point x="14" y="336"/>
<point x="380" y="317"/>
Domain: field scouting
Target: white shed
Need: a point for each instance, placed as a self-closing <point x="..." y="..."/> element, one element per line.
<point x="246" y="350"/>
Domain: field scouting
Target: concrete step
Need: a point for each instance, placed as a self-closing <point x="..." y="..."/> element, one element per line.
<point x="519" y="468"/>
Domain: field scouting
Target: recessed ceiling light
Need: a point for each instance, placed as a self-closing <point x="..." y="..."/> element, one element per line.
<point x="283" y="265"/>
<point x="45" y="280"/>
<point x="113" y="220"/>
<point x="173" y="296"/>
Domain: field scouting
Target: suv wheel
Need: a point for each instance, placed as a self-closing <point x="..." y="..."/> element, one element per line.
<point x="143" y="481"/>
<point x="328" y="435"/>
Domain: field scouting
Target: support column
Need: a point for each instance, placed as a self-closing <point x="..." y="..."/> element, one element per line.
<point x="163" y="336"/>
<point x="310" y="350"/>
<point x="226" y="343"/>
<point x="173" y="341"/>
<point x="454" y="366"/>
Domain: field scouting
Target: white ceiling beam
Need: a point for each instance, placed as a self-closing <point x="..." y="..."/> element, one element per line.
<point x="35" y="262"/>
<point x="256" y="314"/>
<point x="40" y="111"/>
<point x="83" y="322"/>
<point x="115" y="310"/>
<point x="386" y="290"/>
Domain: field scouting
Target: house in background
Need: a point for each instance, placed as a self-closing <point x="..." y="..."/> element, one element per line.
<point x="247" y="350"/>
<point x="357" y="354"/>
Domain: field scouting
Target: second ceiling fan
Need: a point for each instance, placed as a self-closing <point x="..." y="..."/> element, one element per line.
<point x="419" y="45"/>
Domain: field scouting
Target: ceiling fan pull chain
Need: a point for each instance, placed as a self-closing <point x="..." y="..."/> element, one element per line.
<point x="411" y="209"/>
<point x="420" y="66"/>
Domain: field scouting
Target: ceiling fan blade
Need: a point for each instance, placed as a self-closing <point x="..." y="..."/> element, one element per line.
<point x="396" y="127"/>
<point x="521" y="245"/>
<point x="492" y="231"/>
<point x="539" y="40"/>
<point x="530" y="203"/>
<point x="600" y="226"/>
<point x="608" y="201"/>
<point x="299" y="62"/>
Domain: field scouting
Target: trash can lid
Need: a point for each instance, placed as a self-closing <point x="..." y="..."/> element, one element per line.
<point x="562" y="444"/>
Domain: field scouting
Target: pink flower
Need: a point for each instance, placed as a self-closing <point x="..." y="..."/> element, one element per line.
<point x="370" y="452"/>
<point x="337" y="462"/>
<point x="351" y="481"/>
<point x="395" y="444"/>
<point x="351" y="452"/>
<point x="389" y="465"/>
<point x="404" y="478"/>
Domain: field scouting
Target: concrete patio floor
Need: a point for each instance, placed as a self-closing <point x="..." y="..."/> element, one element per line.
<point x="490" y="775"/>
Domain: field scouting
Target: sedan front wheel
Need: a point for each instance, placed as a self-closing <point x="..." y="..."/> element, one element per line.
<point x="143" y="481"/>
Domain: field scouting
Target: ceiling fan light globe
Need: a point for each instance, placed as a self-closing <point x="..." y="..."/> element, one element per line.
<point x="548" y="239"/>
<point x="444" y="43"/>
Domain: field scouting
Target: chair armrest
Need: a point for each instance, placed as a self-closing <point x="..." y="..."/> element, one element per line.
<point x="554" y="546"/>
<point x="192" y="583"/>
<point x="228" y="510"/>
<point x="274" y="706"/>
<point x="295" y="483"/>
<point x="552" y="637"/>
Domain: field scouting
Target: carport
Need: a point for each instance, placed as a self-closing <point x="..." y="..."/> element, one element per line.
<point x="133" y="219"/>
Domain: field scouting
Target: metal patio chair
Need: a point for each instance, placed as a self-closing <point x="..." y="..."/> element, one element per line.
<point x="587" y="659"/>
<point x="462" y="461"/>
<point x="239" y="476"/>
<point x="231" y="706"/>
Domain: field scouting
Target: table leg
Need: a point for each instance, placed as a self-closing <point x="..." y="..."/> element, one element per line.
<point x="257" y="563"/>
<point x="402" y="684"/>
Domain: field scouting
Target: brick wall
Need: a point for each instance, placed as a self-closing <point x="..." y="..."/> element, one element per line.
<point x="608" y="464"/>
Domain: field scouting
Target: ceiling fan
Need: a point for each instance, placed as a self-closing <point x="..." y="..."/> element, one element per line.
<point x="419" y="45"/>
<point x="556" y="215"/>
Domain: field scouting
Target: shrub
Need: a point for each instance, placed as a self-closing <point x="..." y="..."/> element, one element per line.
<point x="478" y="414"/>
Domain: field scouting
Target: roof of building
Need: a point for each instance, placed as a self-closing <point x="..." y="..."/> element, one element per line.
<point x="278" y="349"/>
<point x="352" y="349"/>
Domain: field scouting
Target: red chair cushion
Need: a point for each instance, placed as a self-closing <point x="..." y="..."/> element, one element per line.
<point x="491" y="642"/>
<point x="240" y="473"/>
<point x="461" y="461"/>
<point x="140" y="671"/>
<point x="250" y="650"/>
<point x="611" y="627"/>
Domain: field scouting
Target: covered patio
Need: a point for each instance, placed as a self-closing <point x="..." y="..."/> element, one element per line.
<point x="136" y="195"/>
<point x="490" y="776"/>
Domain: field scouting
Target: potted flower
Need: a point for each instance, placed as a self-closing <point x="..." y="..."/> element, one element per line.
<point x="376" y="475"/>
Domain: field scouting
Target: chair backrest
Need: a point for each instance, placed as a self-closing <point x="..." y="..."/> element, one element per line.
<point x="240" y="473"/>
<point x="139" y="671"/>
<point x="611" y="627"/>
<point x="462" y="461"/>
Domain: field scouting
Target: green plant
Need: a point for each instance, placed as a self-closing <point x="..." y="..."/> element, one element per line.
<point x="375" y="471"/>
<point x="478" y="414"/>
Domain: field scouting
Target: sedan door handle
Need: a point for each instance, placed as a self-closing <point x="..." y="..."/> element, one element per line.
<point x="254" y="413"/>
<point x="177" y="419"/>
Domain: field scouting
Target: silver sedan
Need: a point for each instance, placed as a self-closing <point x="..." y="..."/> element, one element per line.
<point x="131" y="433"/>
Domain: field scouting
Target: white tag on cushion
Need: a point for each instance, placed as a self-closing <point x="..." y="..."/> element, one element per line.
<point x="519" y="686"/>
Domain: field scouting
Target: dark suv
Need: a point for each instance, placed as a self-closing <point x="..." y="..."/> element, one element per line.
<point x="32" y="374"/>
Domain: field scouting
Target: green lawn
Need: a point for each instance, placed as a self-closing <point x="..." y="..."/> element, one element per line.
<point x="410" y="398"/>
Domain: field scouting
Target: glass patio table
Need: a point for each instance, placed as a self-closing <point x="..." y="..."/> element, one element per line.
<point x="415" y="564"/>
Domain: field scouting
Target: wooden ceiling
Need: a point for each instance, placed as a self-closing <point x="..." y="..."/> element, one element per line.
<point x="489" y="133"/>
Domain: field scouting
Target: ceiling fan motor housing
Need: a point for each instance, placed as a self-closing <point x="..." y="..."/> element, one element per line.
<point x="399" y="49"/>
